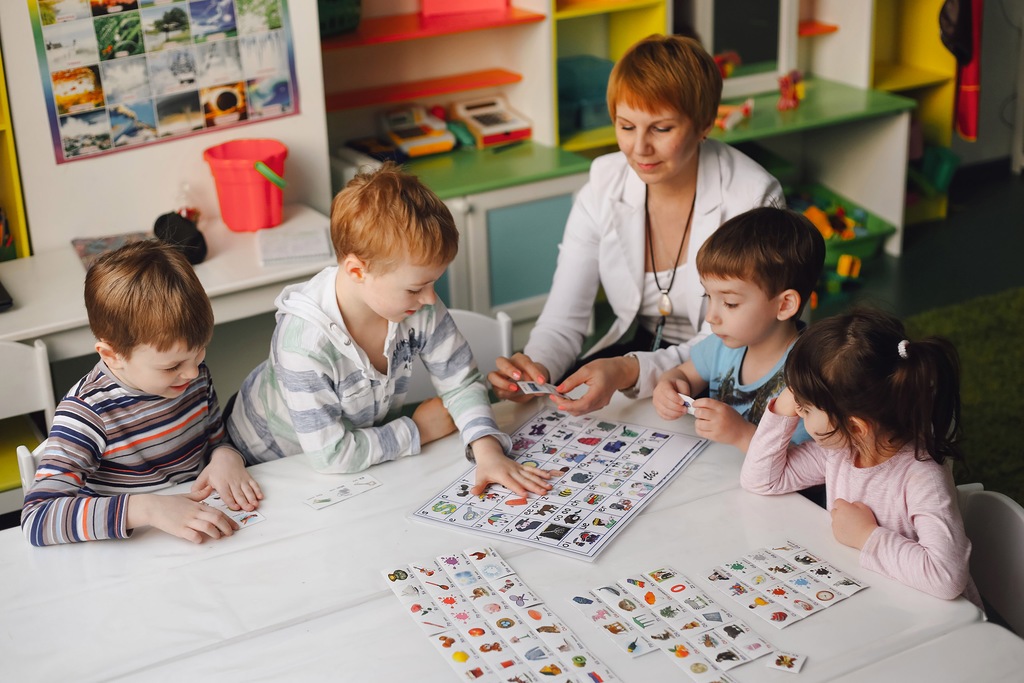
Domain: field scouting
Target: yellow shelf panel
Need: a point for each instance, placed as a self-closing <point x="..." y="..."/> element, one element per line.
<point x="898" y="77"/>
<point x="571" y="9"/>
<point x="589" y="139"/>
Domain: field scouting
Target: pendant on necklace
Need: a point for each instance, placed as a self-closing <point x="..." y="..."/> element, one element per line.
<point x="664" y="303"/>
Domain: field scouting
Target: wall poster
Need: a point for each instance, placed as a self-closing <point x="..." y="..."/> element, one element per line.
<point x="119" y="74"/>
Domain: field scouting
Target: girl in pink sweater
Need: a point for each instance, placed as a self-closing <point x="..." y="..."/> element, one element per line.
<point x="884" y="414"/>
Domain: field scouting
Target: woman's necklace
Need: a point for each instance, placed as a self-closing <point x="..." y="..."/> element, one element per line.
<point x="664" y="302"/>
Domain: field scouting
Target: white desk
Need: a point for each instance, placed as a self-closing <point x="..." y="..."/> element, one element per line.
<point x="300" y="597"/>
<point x="981" y="653"/>
<point x="47" y="287"/>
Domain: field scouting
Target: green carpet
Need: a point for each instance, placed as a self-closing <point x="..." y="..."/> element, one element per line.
<point x="989" y="335"/>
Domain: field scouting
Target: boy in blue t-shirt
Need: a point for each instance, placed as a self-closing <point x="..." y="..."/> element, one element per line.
<point x="758" y="271"/>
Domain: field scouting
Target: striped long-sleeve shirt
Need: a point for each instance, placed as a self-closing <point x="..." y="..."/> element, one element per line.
<point x="319" y="394"/>
<point x="108" y="441"/>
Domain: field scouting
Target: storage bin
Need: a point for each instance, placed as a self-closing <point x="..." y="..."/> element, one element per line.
<point x="338" y="16"/>
<point x="864" y="247"/>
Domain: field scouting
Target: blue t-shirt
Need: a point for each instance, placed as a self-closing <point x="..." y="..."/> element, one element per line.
<point x="720" y="366"/>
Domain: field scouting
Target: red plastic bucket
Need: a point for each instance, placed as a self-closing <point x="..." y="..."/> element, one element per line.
<point x="249" y="198"/>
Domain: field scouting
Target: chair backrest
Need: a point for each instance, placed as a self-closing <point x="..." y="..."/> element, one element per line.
<point x="488" y="337"/>
<point x="28" y="463"/>
<point x="27" y="384"/>
<point x="995" y="527"/>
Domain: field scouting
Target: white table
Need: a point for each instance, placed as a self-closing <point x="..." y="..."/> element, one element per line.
<point x="981" y="653"/>
<point x="47" y="287"/>
<point x="300" y="597"/>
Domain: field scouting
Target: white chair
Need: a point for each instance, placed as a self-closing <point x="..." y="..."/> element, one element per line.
<point x="27" y="386"/>
<point x="488" y="337"/>
<point x="28" y="463"/>
<point x="995" y="526"/>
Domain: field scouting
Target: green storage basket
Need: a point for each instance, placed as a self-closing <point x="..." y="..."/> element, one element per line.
<point x="864" y="247"/>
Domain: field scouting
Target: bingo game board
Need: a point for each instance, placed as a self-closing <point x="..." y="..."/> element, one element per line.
<point x="487" y="623"/>
<point x="609" y="471"/>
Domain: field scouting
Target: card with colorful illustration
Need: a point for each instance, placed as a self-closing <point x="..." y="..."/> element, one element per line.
<point x="468" y="606"/>
<point x="660" y="609"/>
<point x="349" y="489"/>
<point x="605" y="473"/>
<point x="538" y="388"/>
<point x="244" y="518"/>
<point x="783" y="583"/>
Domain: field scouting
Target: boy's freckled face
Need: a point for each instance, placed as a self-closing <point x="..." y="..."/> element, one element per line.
<point x="159" y="373"/>
<point x="401" y="291"/>
<point x="739" y="312"/>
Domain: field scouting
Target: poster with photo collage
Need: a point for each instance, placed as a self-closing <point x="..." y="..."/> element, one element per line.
<point x="119" y="74"/>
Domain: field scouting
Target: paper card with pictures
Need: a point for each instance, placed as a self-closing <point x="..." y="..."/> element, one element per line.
<point x="605" y="472"/>
<point x="783" y="583"/>
<point x="349" y="489"/>
<point x="244" y="518"/>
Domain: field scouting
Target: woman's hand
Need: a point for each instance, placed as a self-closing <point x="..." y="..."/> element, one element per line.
<point x="603" y="378"/>
<point x="519" y="367"/>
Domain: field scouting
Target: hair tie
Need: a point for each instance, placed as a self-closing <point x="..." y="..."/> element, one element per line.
<point x="902" y="348"/>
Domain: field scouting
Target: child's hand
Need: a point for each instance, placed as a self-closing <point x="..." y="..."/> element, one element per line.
<point x="603" y="378"/>
<point x="227" y="475"/>
<point x="852" y="523"/>
<point x="785" y="404"/>
<point x="492" y="467"/>
<point x="720" y="422"/>
<point x="518" y="368"/>
<point x="667" y="402"/>
<point x="433" y="420"/>
<point x="181" y="515"/>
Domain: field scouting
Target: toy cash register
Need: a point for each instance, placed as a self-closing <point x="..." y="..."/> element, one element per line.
<point x="416" y="132"/>
<point x="491" y="121"/>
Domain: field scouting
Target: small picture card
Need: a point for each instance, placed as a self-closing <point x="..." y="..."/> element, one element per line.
<point x="243" y="518"/>
<point x="537" y="388"/>
<point x="342" y="492"/>
<point x="786" y="661"/>
<point x="687" y="401"/>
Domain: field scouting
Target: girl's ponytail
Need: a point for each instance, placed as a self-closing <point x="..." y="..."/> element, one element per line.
<point x="926" y="386"/>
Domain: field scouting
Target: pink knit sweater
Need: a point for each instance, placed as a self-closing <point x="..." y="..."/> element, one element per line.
<point x="920" y="539"/>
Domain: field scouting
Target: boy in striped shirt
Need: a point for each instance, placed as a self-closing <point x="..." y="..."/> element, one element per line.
<point x="144" y="418"/>
<point x="343" y="349"/>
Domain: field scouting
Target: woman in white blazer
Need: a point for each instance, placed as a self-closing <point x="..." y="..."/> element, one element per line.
<point x="635" y="229"/>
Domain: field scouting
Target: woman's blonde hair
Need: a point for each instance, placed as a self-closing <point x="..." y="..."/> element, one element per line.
<point x="673" y="72"/>
<point x="387" y="215"/>
<point x="147" y="293"/>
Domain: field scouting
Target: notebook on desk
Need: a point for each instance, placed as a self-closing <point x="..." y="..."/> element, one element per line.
<point x="290" y="243"/>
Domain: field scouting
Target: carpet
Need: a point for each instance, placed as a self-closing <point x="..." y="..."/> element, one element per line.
<point x="989" y="335"/>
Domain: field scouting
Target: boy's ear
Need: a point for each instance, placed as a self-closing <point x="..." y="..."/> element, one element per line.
<point x="354" y="267"/>
<point x="112" y="359"/>
<point x="789" y="304"/>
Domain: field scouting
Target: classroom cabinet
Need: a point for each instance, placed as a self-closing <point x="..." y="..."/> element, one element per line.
<point x="511" y="239"/>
